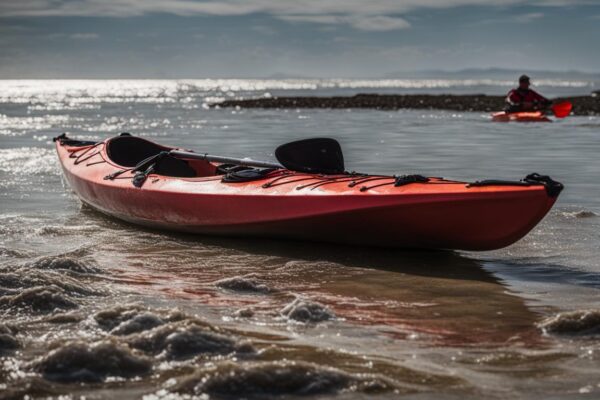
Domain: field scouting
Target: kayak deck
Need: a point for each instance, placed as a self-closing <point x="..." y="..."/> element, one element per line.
<point x="410" y="211"/>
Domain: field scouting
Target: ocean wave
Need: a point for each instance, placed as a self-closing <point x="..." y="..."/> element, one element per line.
<point x="71" y="94"/>
<point x="573" y="323"/>
<point x="11" y="253"/>
<point x="301" y="310"/>
<point x="29" y="161"/>
<point x="242" y="284"/>
<point x="245" y="312"/>
<point x="65" y="318"/>
<point x="8" y="339"/>
<point x="64" y="264"/>
<point x="121" y="124"/>
<point x="76" y="92"/>
<point x="24" y="278"/>
<point x="65" y="230"/>
<point x="58" y="106"/>
<point x="84" y="362"/>
<point x="579" y="214"/>
<point x="36" y="226"/>
<point x="117" y="318"/>
<point x="276" y="379"/>
<point x="139" y="323"/>
<point x="186" y="339"/>
<point x="168" y="334"/>
<point x="39" y="299"/>
<point x="44" y="286"/>
<point x="13" y="126"/>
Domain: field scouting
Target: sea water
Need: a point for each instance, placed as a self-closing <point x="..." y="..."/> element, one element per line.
<point x="94" y="307"/>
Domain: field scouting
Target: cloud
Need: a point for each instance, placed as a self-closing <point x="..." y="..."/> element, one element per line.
<point x="126" y="8"/>
<point x="372" y="15"/>
<point x="362" y="22"/>
<point x="519" y="19"/>
<point x="12" y="28"/>
<point x="380" y="23"/>
<point x="264" y="30"/>
<point x="367" y="15"/>
<point x="84" y="36"/>
<point x="525" y="18"/>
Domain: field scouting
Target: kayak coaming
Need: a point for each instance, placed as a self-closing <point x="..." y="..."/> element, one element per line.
<point x="444" y="214"/>
<point x="520" y="116"/>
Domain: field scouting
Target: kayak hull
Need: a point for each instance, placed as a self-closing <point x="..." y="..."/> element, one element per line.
<point x="438" y="214"/>
<point x="524" y="116"/>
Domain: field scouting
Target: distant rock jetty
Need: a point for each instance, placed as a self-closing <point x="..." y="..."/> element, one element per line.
<point x="582" y="105"/>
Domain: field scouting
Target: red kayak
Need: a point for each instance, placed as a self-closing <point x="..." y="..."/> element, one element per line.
<point x="522" y="116"/>
<point x="210" y="198"/>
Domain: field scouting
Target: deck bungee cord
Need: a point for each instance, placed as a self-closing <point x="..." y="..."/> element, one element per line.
<point x="232" y="173"/>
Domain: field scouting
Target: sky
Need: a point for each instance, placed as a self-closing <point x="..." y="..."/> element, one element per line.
<point x="292" y="38"/>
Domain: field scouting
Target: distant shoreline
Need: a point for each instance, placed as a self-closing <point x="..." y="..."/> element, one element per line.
<point x="582" y="105"/>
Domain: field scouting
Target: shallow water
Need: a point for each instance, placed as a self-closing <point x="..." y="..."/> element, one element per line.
<point x="92" y="306"/>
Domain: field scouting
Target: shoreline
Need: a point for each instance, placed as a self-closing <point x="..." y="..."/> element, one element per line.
<point x="582" y="105"/>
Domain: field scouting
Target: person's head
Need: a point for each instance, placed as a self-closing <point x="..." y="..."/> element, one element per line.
<point x="524" y="82"/>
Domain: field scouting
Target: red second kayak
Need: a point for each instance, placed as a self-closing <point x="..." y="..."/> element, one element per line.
<point x="522" y="116"/>
<point x="207" y="198"/>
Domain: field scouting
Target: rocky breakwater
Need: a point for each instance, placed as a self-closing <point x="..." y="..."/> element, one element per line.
<point x="582" y="105"/>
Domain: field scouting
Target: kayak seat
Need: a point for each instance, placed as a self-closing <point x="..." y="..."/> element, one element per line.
<point x="129" y="151"/>
<point x="171" y="166"/>
<point x="246" y="175"/>
<point x="224" y="169"/>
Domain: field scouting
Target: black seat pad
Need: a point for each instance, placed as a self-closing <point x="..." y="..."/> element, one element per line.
<point x="129" y="151"/>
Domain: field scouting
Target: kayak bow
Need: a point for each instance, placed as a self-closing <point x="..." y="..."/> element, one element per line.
<point x="205" y="197"/>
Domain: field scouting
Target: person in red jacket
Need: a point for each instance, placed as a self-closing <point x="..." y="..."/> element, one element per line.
<point x="525" y="99"/>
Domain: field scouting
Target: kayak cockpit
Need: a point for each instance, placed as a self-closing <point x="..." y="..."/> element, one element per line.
<point x="129" y="151"/>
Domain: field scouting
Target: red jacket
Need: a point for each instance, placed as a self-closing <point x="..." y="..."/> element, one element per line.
<point x="518" y="97"/>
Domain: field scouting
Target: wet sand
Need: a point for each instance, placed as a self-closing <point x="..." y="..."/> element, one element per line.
<point x="582" y="105"/>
